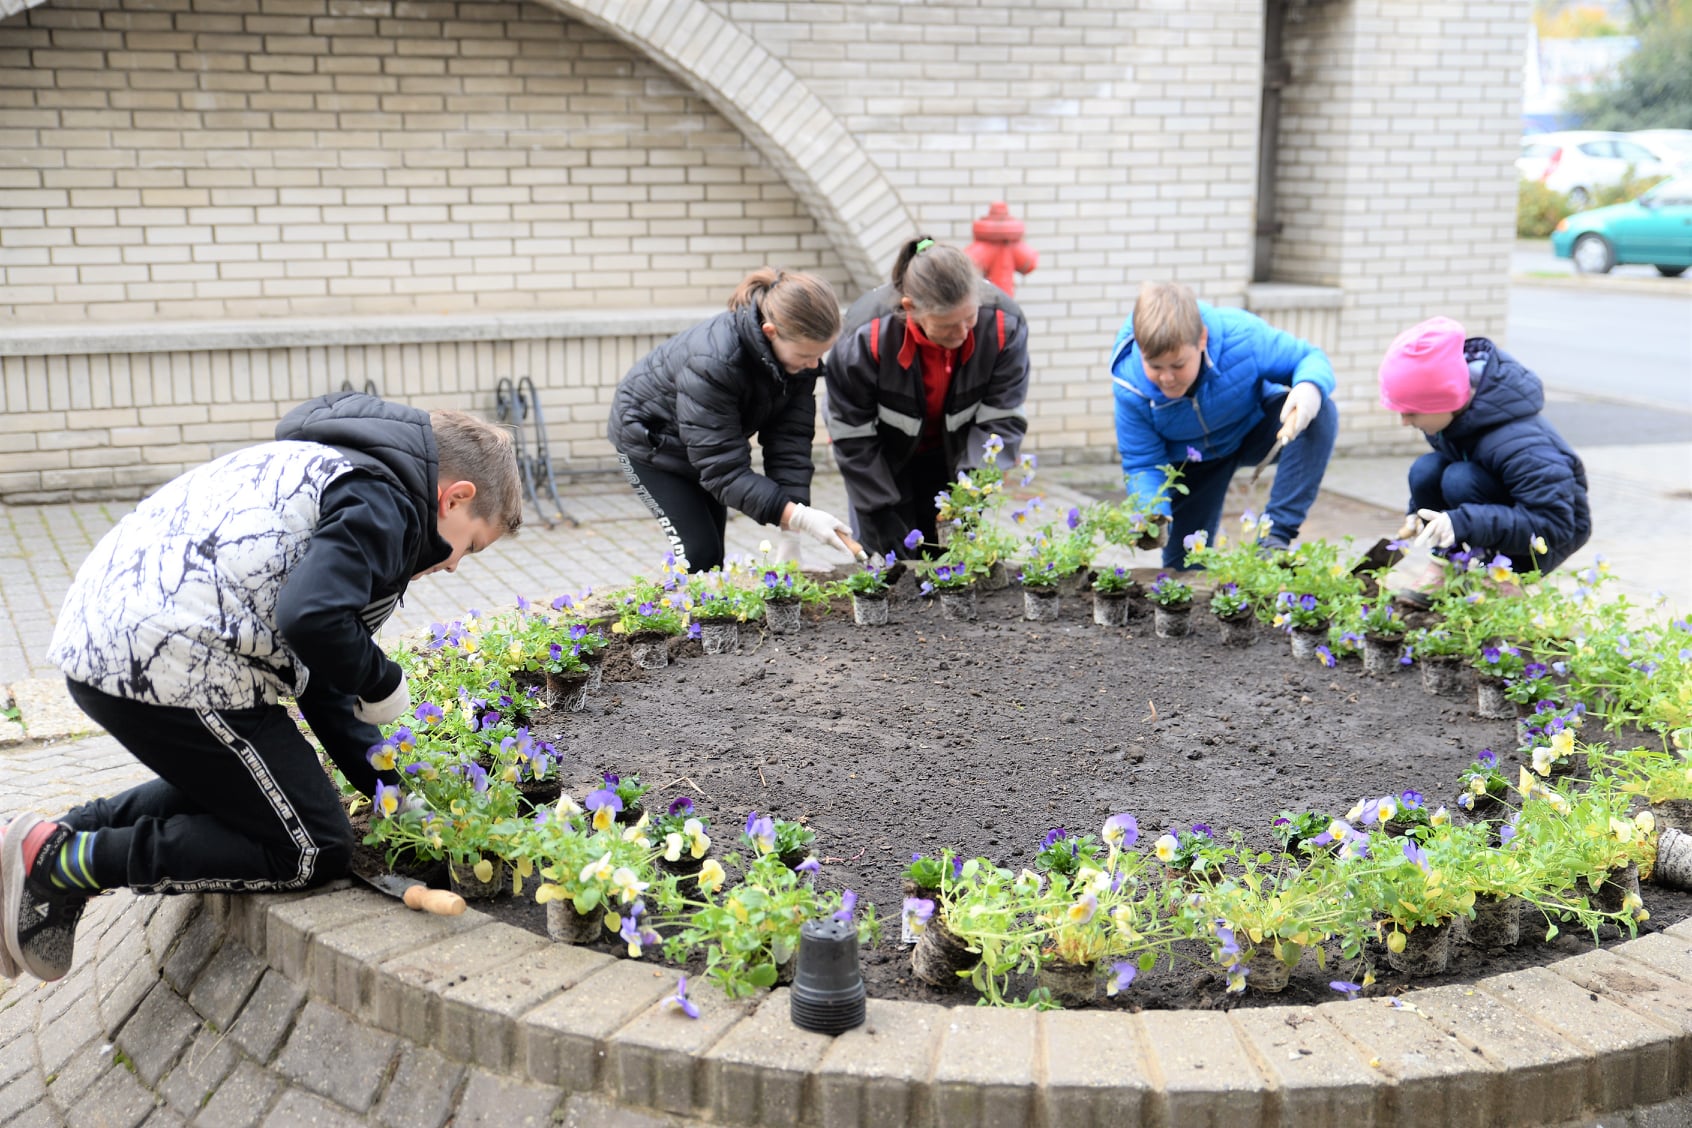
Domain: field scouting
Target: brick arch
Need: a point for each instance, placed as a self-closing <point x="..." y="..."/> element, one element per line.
<point x="807" y="144"/>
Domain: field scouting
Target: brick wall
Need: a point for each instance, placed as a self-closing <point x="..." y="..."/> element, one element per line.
<point x="1397" y="136"/>
<point x="234" y="158"/>
<point x="257" y="158"/>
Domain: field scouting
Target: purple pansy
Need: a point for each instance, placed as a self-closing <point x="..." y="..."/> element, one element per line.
<point x="681" y="1002"/>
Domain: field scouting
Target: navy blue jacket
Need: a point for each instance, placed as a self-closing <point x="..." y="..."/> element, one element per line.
<point x="1503" y="433"/>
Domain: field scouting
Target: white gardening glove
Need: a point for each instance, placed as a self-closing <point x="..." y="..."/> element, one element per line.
<point x="389" y="708"/>
<point x="1302" y="404"/>
<point x="787" y="547"/>
<point x="1437" y="532"/>
<point x="824" y="528"/>
<point x="414" y="801"/>
<point x="1412" y="525"/>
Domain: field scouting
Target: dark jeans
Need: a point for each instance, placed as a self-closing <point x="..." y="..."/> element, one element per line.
<point x="1440" y="483"/>
<point x="691" y="518"/>
<point x="1298" y="474"/>
<point x="1437" y="482"/>
<point x="884" y="531"/>
<point x="241" y="802"/>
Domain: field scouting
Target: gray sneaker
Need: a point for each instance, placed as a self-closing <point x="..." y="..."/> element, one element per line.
<point x="38" y="922"/>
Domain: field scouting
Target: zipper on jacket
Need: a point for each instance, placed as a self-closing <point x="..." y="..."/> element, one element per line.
<point x="1203" y="426"/>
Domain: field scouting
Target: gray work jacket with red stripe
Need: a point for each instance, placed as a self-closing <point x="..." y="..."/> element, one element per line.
<point x="875" y="394"/>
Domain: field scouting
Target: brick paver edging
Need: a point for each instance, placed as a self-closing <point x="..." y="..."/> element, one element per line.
<point x="342" y="996"/>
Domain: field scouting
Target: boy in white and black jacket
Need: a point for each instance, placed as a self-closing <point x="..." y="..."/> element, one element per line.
<point x="260" y="575"/>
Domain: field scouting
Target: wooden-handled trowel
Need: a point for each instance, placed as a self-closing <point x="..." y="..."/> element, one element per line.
<point x="415" y="894"/>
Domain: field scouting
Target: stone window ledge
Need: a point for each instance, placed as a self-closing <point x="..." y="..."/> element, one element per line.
<point x="398" y="329"/>
<point x="1261" y="296"/>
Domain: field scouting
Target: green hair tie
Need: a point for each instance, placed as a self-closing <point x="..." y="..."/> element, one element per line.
<point x="923" y="245"/>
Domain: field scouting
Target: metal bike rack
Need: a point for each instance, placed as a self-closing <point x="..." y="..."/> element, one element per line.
<point x="515" y="404"/>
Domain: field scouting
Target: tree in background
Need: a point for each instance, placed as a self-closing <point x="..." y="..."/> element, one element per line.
<point x="1653" y="87"/>
<point x="1573" y="21"/>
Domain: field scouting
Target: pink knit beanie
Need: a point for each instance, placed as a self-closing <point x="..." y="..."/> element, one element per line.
<point x="1424" y="371"/>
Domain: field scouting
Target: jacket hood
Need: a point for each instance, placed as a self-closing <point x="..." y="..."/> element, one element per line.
<point x="1504" y="390"/>
<point x="391" y="440"/>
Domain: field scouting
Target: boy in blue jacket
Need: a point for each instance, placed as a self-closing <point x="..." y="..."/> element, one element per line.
<point x="260" y="575"/>
<point x="1211" y="390"/>
<point x="1499" y="479"/>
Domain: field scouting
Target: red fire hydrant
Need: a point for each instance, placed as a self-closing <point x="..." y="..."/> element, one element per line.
<point x="998" y="248"/>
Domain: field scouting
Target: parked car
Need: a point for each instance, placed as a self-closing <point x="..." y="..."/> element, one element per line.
<point x="1656" y="228"/>
<point x="1579" y="162"/>
<point x="1671" y="146"/>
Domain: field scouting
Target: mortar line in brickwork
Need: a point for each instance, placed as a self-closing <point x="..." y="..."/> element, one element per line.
<point x="1042" y="1072"/>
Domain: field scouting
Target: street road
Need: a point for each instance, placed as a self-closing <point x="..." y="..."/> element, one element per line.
<point x="1625" y="347"/>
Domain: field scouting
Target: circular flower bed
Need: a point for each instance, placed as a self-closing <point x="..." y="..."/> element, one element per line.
<point x="1069" y="788"/>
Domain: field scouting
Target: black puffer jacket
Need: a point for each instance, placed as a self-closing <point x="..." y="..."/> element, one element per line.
<point x="691" y="405"/>
<point x="1503" y="432"/>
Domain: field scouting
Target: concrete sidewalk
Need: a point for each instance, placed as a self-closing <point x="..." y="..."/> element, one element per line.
<point x="1641" y="496"/>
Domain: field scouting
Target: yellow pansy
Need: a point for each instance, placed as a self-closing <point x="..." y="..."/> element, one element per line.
<point x="627" y="884"/>
<point x="698" y="840"/>
<point x="711" y="875"/>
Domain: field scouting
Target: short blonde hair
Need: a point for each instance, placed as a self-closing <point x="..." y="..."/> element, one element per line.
<point x="481" y="453"/>
<point x="1166" y="318"/>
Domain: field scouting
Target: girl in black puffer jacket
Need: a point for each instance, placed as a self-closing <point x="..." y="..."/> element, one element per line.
<point x="682" y="417"/>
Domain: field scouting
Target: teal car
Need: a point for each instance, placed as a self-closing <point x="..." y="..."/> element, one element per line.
<point x="1656" y="228"/>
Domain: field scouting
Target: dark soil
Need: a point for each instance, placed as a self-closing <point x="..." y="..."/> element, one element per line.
<point x="980" y="736"/>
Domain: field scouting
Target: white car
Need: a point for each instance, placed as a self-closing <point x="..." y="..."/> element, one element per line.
<point x="1671" y="146"/>
<point x="1579" y="162"/>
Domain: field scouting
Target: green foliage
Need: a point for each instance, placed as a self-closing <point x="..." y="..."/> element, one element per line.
<point x="1630" y="187"/>
<point x="1167" y="591"/>
<point x="1054" y="555"/>
<point x="1113" y="581"/>
<point x="1539" y="210"/>
<point x="724" y="596"/>
<point x="1652" y="89"/>
<point x="645" y="606"/>
<point x="751" y="931"/>
<point x="870" y="580"/>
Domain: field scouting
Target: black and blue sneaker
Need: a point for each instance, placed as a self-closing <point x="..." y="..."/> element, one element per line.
<point x="38" y="922"/>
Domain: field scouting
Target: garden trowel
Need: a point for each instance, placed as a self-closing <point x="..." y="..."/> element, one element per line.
<point x="415" y="894"/>
<point x="1267" y="459"/>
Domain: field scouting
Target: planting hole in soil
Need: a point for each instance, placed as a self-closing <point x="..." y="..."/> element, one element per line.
<point x="983" y="735"/>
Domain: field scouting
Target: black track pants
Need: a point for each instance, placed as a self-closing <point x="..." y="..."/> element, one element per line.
<point x="241" y="802"/>
<point x="691" y="518"/>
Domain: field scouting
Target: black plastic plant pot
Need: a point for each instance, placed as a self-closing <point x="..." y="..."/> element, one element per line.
<point x="828" y="987"/>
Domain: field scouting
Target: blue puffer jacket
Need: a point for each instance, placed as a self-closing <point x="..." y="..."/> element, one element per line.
<point x="1502" y="432"/>
<point x="1246" y="361"/>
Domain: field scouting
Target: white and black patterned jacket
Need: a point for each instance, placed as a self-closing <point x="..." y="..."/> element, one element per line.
<point x="265" y="572"/>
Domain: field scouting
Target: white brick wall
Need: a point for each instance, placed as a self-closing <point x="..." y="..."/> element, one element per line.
<point x="1397" y="135"/>
<point x="283" y="157"/>
<point x="234" y="158"/>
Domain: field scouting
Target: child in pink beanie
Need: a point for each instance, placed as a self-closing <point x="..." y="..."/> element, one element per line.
<point x="1499" y="479"/>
